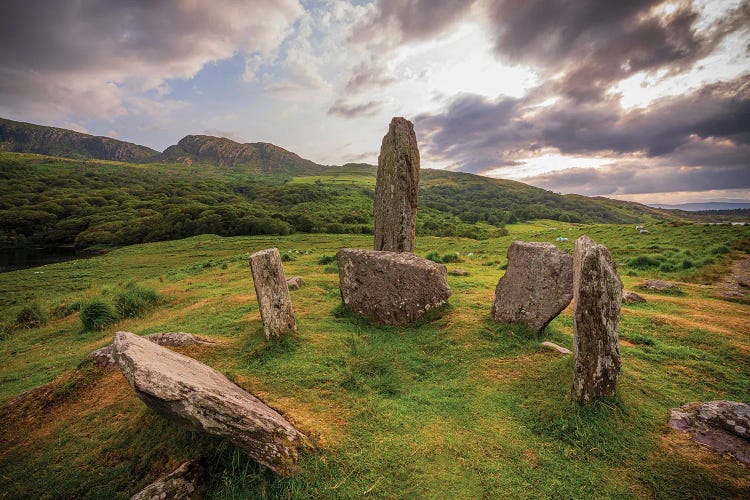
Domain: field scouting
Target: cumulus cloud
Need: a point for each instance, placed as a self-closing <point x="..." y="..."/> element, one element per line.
<point x="91" y="58"/>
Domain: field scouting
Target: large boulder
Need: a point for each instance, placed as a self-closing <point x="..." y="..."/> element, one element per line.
<point x="103" y="357"/>
<point x="202" y="399"/>
<point x="397" y="188"/>
<point x="597" y="292"/>
<point x="536" y="287"/>
<point x="390" y="287"/>
<point x="272" y="291"/>
<point x="723" y="426"/>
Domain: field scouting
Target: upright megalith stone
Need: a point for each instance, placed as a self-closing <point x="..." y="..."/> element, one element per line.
<point x="537" y="286"/>
<point x="273" y="293"/>
<point x="390" y="287"/>
<point x="597" y="293"/>
<point x="397" y="188"/>
<point x="202" y="399"/>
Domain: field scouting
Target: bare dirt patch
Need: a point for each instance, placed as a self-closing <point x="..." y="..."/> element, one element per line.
<point x="736" y="284"/>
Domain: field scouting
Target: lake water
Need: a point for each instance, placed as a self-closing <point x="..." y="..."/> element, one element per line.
<point x="24" y="258"/>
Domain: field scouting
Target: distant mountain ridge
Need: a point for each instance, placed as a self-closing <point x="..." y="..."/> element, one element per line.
<point x="706" y="206"/>
<point x="23" y="137"/>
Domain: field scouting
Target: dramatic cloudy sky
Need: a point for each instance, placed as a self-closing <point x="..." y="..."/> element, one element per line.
<point x="641" y="100"/>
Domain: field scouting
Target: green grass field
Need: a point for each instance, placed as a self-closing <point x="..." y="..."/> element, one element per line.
<point x="455" y="406"/>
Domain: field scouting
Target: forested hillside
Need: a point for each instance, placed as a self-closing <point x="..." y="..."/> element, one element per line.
<point x="47" y="201"/>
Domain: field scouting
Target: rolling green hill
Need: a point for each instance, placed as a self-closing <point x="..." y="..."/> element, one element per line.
<point x="203" y="184"/>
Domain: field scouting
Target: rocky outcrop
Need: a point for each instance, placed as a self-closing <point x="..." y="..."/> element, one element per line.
<point x="722" y="426"/>
<point x="262" y="156"/>
<point x="202" y="399"/>
<point x="597" y="293"/>
<point x="390" y="287"/>
<point x="536" y="287"/>
<point x="182" y="483"/>
<point x="272" y="291"/>
<point x="397" y="188"/>
<point x="632" y="298"/>
<point x="103" y="357"/>
<point x="28" y="138"/>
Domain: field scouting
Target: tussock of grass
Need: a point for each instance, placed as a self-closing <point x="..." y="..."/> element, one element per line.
<point x="133" y="299"/>
<point x="32" y="315"/>
<point x="97" y="314"/>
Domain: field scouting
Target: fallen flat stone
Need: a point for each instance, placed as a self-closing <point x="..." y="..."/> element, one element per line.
<point x="390" y="287"/>
<point x="272" y="292"/>
<point x="722" y="426"/>
<point x="632" y="298"/>
<point x="397" y="188"/>
<point x="103" y="357"/>
<point x="458" y="272"/>
<point x="202" y="399"/>
<point x="659" y="286"/>
<point x="536" y="287"/>
<point x="295" y="282"/>
<point x="182" y="483"/>
<point x="554" y="347"/>
<point x="597" y="290"/>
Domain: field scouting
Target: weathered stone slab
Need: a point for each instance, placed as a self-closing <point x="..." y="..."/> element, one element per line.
<point x="722" y="426"/>
<point x="202" y="399"/>
<point x="182" y="483"/>
<point x="397" y="188"/>
<point x="272" y="291"/>
<point x="597" y="292"/>
<point x="103" y="357"/>
<point x="536" y="287"/>
<point x="390" y="287"/>
<point x="660" y="286"/>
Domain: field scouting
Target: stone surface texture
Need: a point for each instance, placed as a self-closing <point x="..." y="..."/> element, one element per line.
<point x="182" y="483"/>
<point x="722" y="426"/>
<point x="536" y="287"/>
<point x="597" y="293"/>
<point x="273" y="293"/>
<point x="659" y="286"/>
<point x="202" y="399"/>
<point x="390" y="287"/>
<point x="397" y="188"/>
<point x="103" y="357"/>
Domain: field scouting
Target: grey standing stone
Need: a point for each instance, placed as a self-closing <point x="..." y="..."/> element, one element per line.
<point x="390" y="287"/>
<point x="536" y="287"/>
<point x="273" y="293"/>
<point x="397" y="188"/>
<point x="597" y="292"/>
<point x="202" y="399"/>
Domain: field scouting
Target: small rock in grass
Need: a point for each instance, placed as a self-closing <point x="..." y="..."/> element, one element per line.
<point x="295" y="282"/>
<point x="554" y="347"/>
<point x="660" y="286"/>
<point x="632" y="298"/>
<point x="181" y="483"/>
<point x="458" y="272"/>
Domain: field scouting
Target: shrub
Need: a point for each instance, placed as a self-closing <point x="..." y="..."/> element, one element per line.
<point x="31" y="316"/>
<point x="667" y="267"/>
<point x="326" y="259"/>
<point x="285" y="257"/>
<point x="451" y="257"/>
<point x="720" y="249"/>
<point x="434" y="257"/>
<point x="134" y="299"/>
<point x="97" y="314"/>
<point x="643" y="262"/>
<point x="687" y="264"/>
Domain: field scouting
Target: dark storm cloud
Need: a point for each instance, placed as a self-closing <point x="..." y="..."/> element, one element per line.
<point x="709" y="128"/>
<point x="346" y="110"/>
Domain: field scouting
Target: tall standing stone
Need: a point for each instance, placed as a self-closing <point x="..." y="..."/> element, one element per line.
<point x="597" y="293"/>
<point x="397" y="188"/>
<point x="537" y="286"/>
<point x="273" y="293"/>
